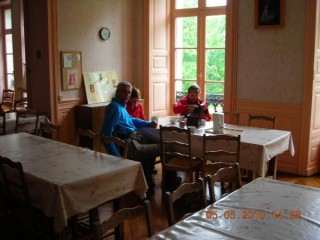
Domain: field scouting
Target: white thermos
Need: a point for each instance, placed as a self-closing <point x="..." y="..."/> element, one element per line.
<point x="218" y="122"/>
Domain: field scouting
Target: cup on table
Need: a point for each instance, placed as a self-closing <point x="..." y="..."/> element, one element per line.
<point x="202" y="122"/>
<point x="173" y="120"/>
<point x="154" y="118"/>
<point x="192" y="129"/>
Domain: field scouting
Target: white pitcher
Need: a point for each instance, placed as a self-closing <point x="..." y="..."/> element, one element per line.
<point x="218" y="121"/>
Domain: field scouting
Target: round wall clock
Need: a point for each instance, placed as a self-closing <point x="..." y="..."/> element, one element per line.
<point x="104" y="33"/>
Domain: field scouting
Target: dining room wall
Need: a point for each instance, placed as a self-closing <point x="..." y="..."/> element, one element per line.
<point x="78" y="24"/>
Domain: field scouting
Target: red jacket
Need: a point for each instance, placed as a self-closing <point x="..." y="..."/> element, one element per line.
<point x="181" y="107"/>
<point x="137" y="112"/>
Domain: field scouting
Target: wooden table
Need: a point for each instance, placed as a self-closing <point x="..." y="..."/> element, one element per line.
<point x="258" y="145"/>
<point x="262" y="209"/>
<point x="65" y="180"/>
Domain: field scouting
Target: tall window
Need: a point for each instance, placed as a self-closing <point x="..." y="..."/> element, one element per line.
<point x="7" y="47"/>
<point x="199" y="48"/>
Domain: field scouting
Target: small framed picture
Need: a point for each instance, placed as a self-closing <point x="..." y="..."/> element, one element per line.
<point x="269" y="13"/>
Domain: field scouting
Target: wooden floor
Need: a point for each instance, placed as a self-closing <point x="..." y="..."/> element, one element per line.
<point x="135" y="229"/>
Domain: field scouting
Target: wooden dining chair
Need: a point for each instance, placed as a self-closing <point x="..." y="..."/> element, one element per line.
<point x="117" y="218"/>
<point x="262" y="121"/>
<point x="175" y="148"/>
<point x="228" y="177"/>
<point x="7" y="99"/>
<point x="120" y="144"/>
<point x="32" y="117"/>
<point x="48" y="130"/>
<point x="86" y="138"/>
<point x="265" y="122"/>
<point x="234" y="117"/>
<point x="33" y="222"/>
<point x="185" y="200"/>
<point x="21" y="103"/>
<point x="220" y="148"/>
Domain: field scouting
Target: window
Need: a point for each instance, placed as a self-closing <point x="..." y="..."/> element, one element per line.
<point x="199" y="49"/>
<point x="7" y="47"/>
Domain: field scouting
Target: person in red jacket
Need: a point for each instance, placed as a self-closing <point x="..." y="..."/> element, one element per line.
<point x="134" y="107"/>
<point x="191" y="103"/>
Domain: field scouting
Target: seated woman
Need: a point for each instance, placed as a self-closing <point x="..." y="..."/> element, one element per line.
<point x="191" y="103"/>
<point x="135" y="109"/>
<point x="133" y="106"/>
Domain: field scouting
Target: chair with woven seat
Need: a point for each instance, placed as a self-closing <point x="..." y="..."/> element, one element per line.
<point x="220" y="148"/>
<point x="185" y="200"/>
<point x="120" y="144"/>
<point x="175" y="148"/>
<point x="7" y="103"/>
<point x="48" y="130"/>
<point x="34" y="224"/>
<point x="27" y="120"/>
<point x="266" y="122"/>
<point x="227" y="175"/>
<point x="120" y="216"/>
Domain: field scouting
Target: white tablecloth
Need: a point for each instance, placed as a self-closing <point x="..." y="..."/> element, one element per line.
<point x="65" y="180"/>
<point x="258" y="145"/>
<point x="254" y="212"/>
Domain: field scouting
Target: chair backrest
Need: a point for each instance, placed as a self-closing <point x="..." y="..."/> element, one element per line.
<point x="85" y="138"/>
<point x="32" y="117"/>
<point x="220" y="148"/>
<point x="7" y="99"/>
<point x="124" y="214"/>
<point x="187" y="198"/>
<point x="233" y="116"/>
<point x="171" y="147"/>
<point x="264" y="121"/>
<point x="120" y="144"/>
<point x="14" y="182"/>
<point x="228" y="177"/>
<point x="22" y="103"/>
<point x="48" y="130"/>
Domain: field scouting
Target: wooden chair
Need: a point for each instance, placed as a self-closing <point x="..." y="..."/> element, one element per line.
<point x="233" y="116"/>
<point x="86" y="138"/>
<point x="22" y="103"/>
<point x="33" y="222"/>
<point x="121" y="144"/>
<point x="33" y="114"/>
<point x="48" y="130"/>
<point x="227" y="175"/>
<point x="252" y="121"/>
<point x="3" y="118"/>
<point x="189" y="198"/>
<point x="120" y="216"/>
<point x="7" y="99"/>
<point x="267" y="122"/>
<point x="220" y="148"/>
<point x="176" y="154"/>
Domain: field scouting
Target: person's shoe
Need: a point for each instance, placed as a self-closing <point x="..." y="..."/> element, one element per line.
<point x="154" y="170"/>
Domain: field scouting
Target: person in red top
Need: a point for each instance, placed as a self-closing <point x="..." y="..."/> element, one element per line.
<point x="191" y="103"/>
<point x="134" y="107"/>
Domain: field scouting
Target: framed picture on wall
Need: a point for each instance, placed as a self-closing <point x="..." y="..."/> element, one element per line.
<point x="269" y="13"/>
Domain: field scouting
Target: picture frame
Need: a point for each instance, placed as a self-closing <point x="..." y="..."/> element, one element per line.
<point x="71" y="70"/>
<point x="269" y="14"/>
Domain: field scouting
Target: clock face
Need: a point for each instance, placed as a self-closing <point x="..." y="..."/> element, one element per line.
<point x="104" y="33"/>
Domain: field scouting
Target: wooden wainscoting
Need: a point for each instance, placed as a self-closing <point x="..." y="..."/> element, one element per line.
<point x="66" y="120"/>
<point x="288" y="118"/>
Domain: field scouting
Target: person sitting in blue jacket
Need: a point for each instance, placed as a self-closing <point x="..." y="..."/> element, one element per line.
<point x="117" y="121"/>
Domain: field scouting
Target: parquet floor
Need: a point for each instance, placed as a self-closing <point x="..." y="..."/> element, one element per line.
<point x="135" y="229"/>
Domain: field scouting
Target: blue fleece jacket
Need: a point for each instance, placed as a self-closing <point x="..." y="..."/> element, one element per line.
<point x="117" y="118"/>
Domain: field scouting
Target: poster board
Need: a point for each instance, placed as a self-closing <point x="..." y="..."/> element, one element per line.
<point x="100" y="86"/>
<point x="71" y="70"/>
